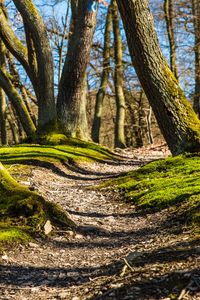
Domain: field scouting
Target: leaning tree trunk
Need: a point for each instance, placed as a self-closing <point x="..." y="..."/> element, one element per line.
<point x="196" y="16"/>
<point x="36" y="59"/>
<point x="118" y="81"/>
<point x="73" y="76"/>
<point x="176" y="118"/>
<point x="104" y="79"/>
<point x="169" y="18"/>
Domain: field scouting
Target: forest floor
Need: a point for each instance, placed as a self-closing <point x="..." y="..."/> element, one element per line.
<point x="116" y="252"/>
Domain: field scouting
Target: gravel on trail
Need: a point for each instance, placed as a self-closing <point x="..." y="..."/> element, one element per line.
<point x="116" y="252"/>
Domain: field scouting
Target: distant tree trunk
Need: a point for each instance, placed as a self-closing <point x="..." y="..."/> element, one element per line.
<point x="196" y="18"/>
<point x="138" y="141"/>
<point x="2" y="99"/>
<point x="169" y="18"/>
<point x="148" y="120"/>
<point x="20" y="132"/>
<point x="17" y="103"/>
<point x="104" y="79"/>
<point x="141" y="117"/>
<point x="3" y="117"/>
<point x="176" y="119"/>
<point x="15" y="77"/>
<point x="73" y="75"/>
<point x="118" y="80"/>
<point x="12" y="125"/>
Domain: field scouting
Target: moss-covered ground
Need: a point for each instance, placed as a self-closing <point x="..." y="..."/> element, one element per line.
<point x="172" y="182"/>
<point x="23" y="211"/>
<point x="73" y="150"/>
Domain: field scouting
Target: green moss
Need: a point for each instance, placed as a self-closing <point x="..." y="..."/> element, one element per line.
<point x="164" y="183"/>
<point x="53" y="139"/>
<point x="9" y="234"/>
<point x="24" y="210"/>
<point x="60" y="148"/>
<point x="185" y="113"/>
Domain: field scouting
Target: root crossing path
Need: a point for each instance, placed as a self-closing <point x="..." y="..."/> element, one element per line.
<point x="116" y="252"/>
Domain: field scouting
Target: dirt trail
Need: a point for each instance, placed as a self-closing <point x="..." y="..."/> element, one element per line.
<point x="95" y="262"/>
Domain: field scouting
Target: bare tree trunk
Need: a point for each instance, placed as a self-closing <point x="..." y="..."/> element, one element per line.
<point x="196" y="18"/>
<point x="18" y="104"/>
<point x="12" y="125"/>
<point x="138" y="141"/>
<point x="20" y="132"/>
<point x="118" y="80"/>
<point x="169" y="18"/>
<point x="148" y="120"/>
<point x="176" y="119"/>
<point x="2" y="99"/>
<point x="104" y="79"/>
<point x="3" y="117"/>
<point x="73" y="76"/>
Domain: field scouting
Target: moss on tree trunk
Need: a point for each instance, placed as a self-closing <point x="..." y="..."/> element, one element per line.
<point x="175" y="116"/>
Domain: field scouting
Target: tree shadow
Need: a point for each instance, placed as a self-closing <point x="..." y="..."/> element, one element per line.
<point x="38" y="159"/>
<point x="55" y="169"/>
<point x="137" y="285"/>
<point x="94" y="214"/>
<point x="166" y="286"/>
<point x="30" y="276"/>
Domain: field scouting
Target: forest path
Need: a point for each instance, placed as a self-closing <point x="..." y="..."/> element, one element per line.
<point x="162" y="257"/>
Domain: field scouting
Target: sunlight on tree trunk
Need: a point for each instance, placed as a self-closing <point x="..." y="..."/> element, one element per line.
<point x="118" y="80"/>
<point x="73" y="76"/>
<point x="175" y="116"/>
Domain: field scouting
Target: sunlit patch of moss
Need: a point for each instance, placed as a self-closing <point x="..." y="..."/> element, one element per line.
<point x="53" y="139"/>
<point x="73" y="149"/>
<point x="23" y="209"/>
<point x="61" y="139"/>
<point x="9" y="234"/>
<point x="164" y="183"/>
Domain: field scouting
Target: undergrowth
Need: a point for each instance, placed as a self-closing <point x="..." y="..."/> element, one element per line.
<point x="174" y="181"/>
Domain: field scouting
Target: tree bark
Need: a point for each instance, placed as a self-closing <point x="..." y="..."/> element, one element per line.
<point x="73" y="74"/>
<point x="104" y="79"/>
<point x="176" y="119"/>
<point x="118" y="80"/>
<point x="38" y="45"/>
<point x="196" y="21"/>
<point x="2" y="98"/>
<point x="169" y="18"/>
<point x="11" y="41"/>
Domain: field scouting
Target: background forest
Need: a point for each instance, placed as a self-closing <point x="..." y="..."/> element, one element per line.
<point x="115" y="111"/>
